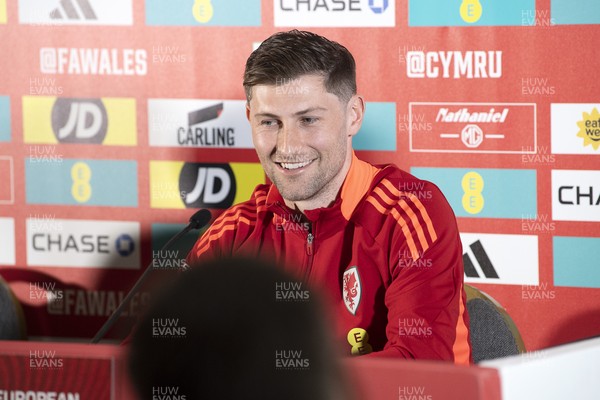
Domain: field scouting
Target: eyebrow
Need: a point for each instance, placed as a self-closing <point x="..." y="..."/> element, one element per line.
<point x="298" y="113"/>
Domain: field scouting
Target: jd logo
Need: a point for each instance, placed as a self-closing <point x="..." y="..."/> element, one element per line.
<point x="79" y="120"/>
<point x="207" y="185"/>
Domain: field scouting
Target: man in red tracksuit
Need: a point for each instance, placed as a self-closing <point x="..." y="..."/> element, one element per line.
<point x="382" y="245"/>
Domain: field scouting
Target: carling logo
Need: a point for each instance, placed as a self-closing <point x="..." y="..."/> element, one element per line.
<point x="198" y="123"/>
<point x="93" y="61"/>
<point x="454" y="64"/>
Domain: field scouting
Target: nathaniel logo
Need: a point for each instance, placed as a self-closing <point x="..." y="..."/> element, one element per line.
<point x="79" y="121"/>
<point x="500" y="259"/>
<point x="51" y="120"/>
<point x="454" y="64"/>
<point x="207" y="185"/>
<point x="589" y="129"/>
<point x="76" y="12"/>
<point x="198" y="123"/>
<point x="472" y="127"/>
<point x="175" y="184"/>
<point x="335" y="13"/>
<point x="352" y="289"/>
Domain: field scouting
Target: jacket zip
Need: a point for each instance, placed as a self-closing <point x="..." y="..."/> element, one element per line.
<point x="310" y="237"/>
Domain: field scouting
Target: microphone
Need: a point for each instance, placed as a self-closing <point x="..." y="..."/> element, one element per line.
<point x="197" y="221"/>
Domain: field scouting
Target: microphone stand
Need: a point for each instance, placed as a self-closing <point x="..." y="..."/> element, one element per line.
<point x="197" y="221"/>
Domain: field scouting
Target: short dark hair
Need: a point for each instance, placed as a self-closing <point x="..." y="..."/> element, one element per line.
<point x="287" y="55"/>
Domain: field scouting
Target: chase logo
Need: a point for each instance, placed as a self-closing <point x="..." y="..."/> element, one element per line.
<point x="176" y="184"/>
<point x="568" y="12"/>
<point x="485" y="193"/>
<point x="378" y="130"/>
<point x="490" y="258"/>
<point x="575" y="128"/>
<point x="198" y="123"/>
<point x="468" y="12"/>
<point x="203" y="12"/>
<point x="334" y="13"/>
<point x="379" y="6"/>
<point x="76" y="12"/>
<point x="125" y="245"/>
<point x="4" y="119"/>
<point x="81" y="243"/>
<point x="81" y="182"/>
<point x="576" y="195"/>
<point x="576" y="261"/>
<point x="51" y="120"/>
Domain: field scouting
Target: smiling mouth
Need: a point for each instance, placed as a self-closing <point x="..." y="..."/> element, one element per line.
<point x="293" y="165"/>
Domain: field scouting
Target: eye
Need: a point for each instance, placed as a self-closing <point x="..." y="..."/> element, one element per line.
<point x="309" y="120"/>
<point x="268" y="122"/>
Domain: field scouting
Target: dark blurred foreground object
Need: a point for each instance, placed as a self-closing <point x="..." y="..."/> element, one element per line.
<point x="236" y="329"/>
<point x="12" y="320"/>
<point x="493" y="332"/>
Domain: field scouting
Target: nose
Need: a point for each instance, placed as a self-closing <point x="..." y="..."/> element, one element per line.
<point x="288" y="140"/>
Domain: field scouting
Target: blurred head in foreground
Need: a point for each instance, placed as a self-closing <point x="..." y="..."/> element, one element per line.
<point x="235" y="329"/>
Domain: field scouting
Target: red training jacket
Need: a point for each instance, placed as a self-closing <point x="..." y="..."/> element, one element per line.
<point x="386" y="255"/>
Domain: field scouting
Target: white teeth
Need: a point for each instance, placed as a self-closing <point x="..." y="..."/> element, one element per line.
<point x="294" y="165"/>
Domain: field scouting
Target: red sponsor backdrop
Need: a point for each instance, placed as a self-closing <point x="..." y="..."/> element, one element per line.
<point x="564" y="57"/>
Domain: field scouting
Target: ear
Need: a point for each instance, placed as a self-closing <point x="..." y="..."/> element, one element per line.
<point x="355" y="113"/>
<point x="248" y="111"/>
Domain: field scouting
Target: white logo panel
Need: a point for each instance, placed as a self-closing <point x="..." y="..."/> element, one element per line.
<point x="575" y="195"/>
<point x="500" y="259"/>
<point x="76" y="12"/>
<point x="334" y="13"/>
<point x="575" y="128"/>
<point x="7" y="241"/>
<point x="83" y="243"/>
<point x="199" y="123"/>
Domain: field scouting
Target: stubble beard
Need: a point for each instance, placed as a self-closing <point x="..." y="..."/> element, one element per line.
<point x="306" y="187"/>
